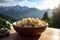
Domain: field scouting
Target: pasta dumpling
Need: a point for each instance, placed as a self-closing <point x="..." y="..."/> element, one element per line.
<point x="31" y="22"/>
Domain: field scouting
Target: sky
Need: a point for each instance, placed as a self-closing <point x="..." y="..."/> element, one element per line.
<point x="39" y="4"/>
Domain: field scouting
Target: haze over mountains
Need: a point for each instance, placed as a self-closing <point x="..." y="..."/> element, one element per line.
<point x="17" y="12"/>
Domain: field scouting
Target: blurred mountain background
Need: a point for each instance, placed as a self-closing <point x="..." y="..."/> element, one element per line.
<point x="17" y="12"/>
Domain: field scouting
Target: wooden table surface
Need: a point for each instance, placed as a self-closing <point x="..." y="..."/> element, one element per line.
<point x="49" y="34"/>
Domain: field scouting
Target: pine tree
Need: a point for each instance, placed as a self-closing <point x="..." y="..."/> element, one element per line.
<point x="45" y="16"/>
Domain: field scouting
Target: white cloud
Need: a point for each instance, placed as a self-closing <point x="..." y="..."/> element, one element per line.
<point x="27" y="3"/>
<point x="14" y="2"/>
<point x="7" y="2"/>
<point x="48" y="4"/>
<point x="41" y="5"/>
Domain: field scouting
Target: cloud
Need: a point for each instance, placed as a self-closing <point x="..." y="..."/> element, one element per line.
<point x="13" y="2"/>
<point x="40" y="4"/>
<point x="5" y="1"/>
<point x="27" y="3"/>
<point x="48" y="4"/>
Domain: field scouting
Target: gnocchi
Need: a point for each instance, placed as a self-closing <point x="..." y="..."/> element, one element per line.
<point x="31" y="22"/>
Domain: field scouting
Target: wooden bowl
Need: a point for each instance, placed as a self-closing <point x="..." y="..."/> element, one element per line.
<point x="29" y="31"/>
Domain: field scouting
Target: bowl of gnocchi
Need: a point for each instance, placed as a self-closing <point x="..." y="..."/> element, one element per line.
<point x="30" y="26"/>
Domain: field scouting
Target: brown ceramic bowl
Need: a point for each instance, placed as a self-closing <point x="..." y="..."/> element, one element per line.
<point x="29" y="31"/>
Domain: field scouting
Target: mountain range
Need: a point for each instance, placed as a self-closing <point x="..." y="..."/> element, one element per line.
<point x="17" y="12"/>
